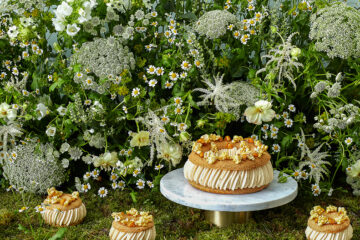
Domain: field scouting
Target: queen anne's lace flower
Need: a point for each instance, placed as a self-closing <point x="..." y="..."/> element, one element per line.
<point x="214" y="24"/>
<point x="336" y="31"/>
<point x="35" y="169"/>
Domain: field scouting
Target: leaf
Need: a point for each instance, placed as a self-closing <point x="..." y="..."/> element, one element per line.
<point x="22" y="228"/>
<point x="56" y="84"/>
<point x="133" y="196"/>
<point x="59" y="234"/>
<point x="188" y="16"/>
<point x="286" y="141"/>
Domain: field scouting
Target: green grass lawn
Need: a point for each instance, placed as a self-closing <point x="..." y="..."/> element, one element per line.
<point x="174" y="221"/>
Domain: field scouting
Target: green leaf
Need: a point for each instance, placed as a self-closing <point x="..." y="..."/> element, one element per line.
<point x="133" y="196"/>
<point x="22" y="228"/>
<point x="56" y="84"/>
<point x="286" y="141"/>
<point x="59" y="234"/>
<point x="188" y="16"/>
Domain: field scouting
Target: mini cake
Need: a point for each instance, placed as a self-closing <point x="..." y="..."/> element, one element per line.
<point x="132" y="225"/>
<point x="229" y="166"/>
<point x="63" y="209"/>
<point x="332" y="223"/>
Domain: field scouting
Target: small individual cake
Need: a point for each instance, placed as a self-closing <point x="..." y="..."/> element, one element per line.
<point x="63" y="209"/>
<point x="229" y="166"/>
<point x="132" y="225"/>
<point x="330" y="224"/>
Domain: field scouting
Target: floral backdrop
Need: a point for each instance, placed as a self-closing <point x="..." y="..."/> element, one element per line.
<point x="116" y="91"/>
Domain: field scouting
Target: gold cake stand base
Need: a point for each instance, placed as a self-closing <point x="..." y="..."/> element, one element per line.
<point x="223" y="219"/>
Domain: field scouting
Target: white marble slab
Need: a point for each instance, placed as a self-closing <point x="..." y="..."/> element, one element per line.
<point x="176" y="188"/>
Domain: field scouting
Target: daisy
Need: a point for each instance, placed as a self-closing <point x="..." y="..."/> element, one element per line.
<point x="150" y="184"/>
<point x="113" y="177"/>
<point x="3" y="75"/>
<point x="118" y="79"/>
<point x="178" y="110"/>
<point x="178" y="101"/>
<point x="252" y="22"/>
<point x="183" y="75"/>
<point x="136" y="172"/>
<point x="85" y="187"/>
<point x="288" y="123"/>
<point x="159" y="71"/>
<point x="15" y="71"/>
<point x="168" y="84"/>
<point x="250" y="7"/>
<point x="25" y="93"/>
<point x="348" y="141"/>
<point x="304" y="175"/>
<point x="25" y="54"/>
<point x="129" y="152"/>
<point x="230" y="27"/>
<point x="154" y="14"/>
<point x="292" y="108"/>
<point x="114" y="185"/>
<point x="95" y="173"/>
<point x="243" y="40"/>
<point x="236" y="34"/>
<point x="87" y="175"/>
<point x="165" y="119"/>
<point x="140" y="184"/>
<point x="152" y="82"/>
<point x="13" y="155"/>
<point x="87" y="102"/>
<point x="158" y="167"/>
<point x="135" y="92"/>
<point x="79" y="75"/>
<point x="102" y="192"/>
<point x="155" y="23"/>
<point x="274" y="129"/>
<point x="277" y="116"/>
<point x="265" y="127"/>
<point x="15" y="106"/>
<point x="273" y="135"/>
<point x="174" y="31"/>
<point x="23" y="209"/>
<point x="39" y="209"/>
<point x="151" y="69"/>
<point x="197" y="63"/>
<point x="297" y="174"/>
<point x="171" y="40"/>
<point x="254" y="137"/>
<point x="162" y="130"/>
<point x="194" y="52"/>
<point x="121" y="184"/>
<point x="190" y="41"/>
<point x="252" y="32"/>
<point x="285" y="115"/>
<point x="124" y="108"/>
<point x="185" y="65"/>
<point x="182" y="127"/>
<point x="258" y="15"/>
<point x="50" y="78"/>
<point x="315" y="189"/>
<point x="89" y="81"/>
<point x="173" y="76"/>
<point x="172" y="22"/>
<point x="167" y="34"/>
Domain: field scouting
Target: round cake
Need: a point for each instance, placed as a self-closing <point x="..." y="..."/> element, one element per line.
<point x="63" y="209"/>
<point x="229" y="166"/>
<point x="132" y="225"/>
<point x="332" y="223"/>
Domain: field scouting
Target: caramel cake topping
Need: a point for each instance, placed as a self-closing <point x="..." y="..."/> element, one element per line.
<point x="133" y="218"/>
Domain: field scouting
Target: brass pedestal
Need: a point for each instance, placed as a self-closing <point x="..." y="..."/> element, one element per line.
<point x="223" y="219"/>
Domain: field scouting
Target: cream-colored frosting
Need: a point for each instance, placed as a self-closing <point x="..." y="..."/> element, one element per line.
<point x="148" y="234"/>
<point x="227" y="179"/>
<point x="311" y="234"/>
<point x="64" y="218"/>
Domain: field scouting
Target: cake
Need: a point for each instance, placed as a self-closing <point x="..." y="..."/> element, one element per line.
<point x="62" y="209"/>
<point x="332" y="223"/>
<point x="229" y="166"/>
<point x="132" y="225"/>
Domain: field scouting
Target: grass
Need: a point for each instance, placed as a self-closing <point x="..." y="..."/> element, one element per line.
<point x="173" y="221"/>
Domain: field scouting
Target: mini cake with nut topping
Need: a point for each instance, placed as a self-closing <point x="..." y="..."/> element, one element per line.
<point x="229" y="166"/>
<point x="330" y="224"/>
<point x="132" y="225"/>
<point x="63" y="209"/>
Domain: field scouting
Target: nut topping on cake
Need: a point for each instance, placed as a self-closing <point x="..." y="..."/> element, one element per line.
<point x="55" y="196"/>
<point x="320" y="216"/>
<point x="133" y="218"/>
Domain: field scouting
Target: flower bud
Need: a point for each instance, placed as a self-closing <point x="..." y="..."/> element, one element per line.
<point x="295" y="52"/>
<point x="184" y="137"/>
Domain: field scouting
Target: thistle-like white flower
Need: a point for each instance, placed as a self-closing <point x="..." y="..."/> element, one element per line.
<point x="259" y="113"/>
<point x="284" y="61"/>
<point x="227" y="97"/>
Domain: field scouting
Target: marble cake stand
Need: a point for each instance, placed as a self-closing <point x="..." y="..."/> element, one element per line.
<point x="224" y="209"/>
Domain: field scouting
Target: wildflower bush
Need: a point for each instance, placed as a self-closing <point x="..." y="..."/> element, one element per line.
<point x="115" y="91"/>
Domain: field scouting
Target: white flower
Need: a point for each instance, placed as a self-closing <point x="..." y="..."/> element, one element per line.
<point x="40" y="209"/>
<point x="51" y="131"/>
<point x="168" y="84"/>
<point x="124" y="108"/>
<point x="159" y="71"/>
<point x="85" y="187"/>
<point x="121" y="184"/>
<point x="23" y="209"/>
<point x="140" y="184"/>
<point x="285" y="115"/>
<point x="136" y="172"/>
<point x="95" y="173"/>
<point x="170" y="152"/>
<point x="135" y="92"/>
<point x="173" y="76"/>
<point x="150" y="184"/>
<point x="316" y="189"/>
<point x="85" y="13"/>
<point x="42" y="110"/>
<point x="6" y="112"/>
<point x="13" y="32"/>
<point x="183" y="75"/>
<point x="87" y="175"/>
<point x="63" y="11"/>
<point x="354" y="170"/>
<point x="179" y="110"/>
<point x="185" y="65"/>
<point x="348" y="141"/>
<point x="178" y="101"/>
<point x="152" y="83"/>
<point x="58" y="24"/>
<point x="102" y="192"/>
<point x="292" y="108"/>
<point x="151" y="69"/>
<point x="61" y="110"/>
<point x="276" y="147"/>
<point x="113" y="177"/>
<point x="65" y="163"/>
<point x="297" y="174"/>
<point x="72" y="29"/>
<point x="260" y="112"/>
<point x="159" y="166"/>
<point x="288" y="123"/>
